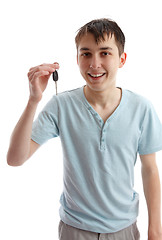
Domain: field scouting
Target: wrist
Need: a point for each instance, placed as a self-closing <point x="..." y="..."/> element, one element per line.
<point x="33" y="102"/>
<point x="155" y="232"/>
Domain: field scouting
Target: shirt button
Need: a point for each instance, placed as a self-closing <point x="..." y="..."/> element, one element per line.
<point x="102" y="147"/>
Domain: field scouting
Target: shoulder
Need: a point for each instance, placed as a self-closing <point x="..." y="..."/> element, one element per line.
<point x="66" y="98"/>
<point x="137" y="100"/>
<point x="74" y="93"/>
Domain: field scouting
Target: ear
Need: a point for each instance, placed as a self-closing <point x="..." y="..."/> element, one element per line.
<point x="123" y="58"/>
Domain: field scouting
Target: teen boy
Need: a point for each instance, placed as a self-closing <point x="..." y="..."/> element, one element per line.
<point x="102" y="129"/>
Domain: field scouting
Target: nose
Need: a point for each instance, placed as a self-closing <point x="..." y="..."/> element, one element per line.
<point x="95" y="62"/>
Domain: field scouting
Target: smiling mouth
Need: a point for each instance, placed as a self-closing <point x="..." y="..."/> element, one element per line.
<point x="96" y="76"/>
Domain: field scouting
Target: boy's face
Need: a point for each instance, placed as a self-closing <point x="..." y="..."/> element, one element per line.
<point x="99" y="63"/>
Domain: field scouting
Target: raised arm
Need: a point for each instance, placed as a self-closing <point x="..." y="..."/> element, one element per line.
<point x="21" y="146"/>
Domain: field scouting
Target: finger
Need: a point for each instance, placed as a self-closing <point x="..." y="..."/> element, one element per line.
<point x="53" y="65"/>
<point x="48" y="67"/>
<point x="36" y="75"/>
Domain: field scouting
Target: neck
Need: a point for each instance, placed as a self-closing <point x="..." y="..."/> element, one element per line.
<point x="102" y="99"/>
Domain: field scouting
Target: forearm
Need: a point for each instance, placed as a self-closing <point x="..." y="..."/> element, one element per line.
<point x="152" y="191"/>
<point x="21" y="137"/>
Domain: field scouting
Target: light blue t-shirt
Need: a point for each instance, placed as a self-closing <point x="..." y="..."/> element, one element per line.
<point x="99" y="157"/>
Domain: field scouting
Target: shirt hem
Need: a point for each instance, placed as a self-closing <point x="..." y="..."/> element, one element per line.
<point x="37" y="141"/>
<point x="98" y="231"/>
<point x="150" y="151"/>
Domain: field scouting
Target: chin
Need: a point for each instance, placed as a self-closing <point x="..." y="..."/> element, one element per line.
<point x="100" y="86"/>
<point x="95" y="87"/>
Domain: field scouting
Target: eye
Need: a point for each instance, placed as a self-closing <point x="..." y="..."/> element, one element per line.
<point x="105" y="53"/>
<point x="86" y="54"/>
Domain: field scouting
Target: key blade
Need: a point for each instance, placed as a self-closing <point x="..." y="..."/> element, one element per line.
<point x="56" y="86"/>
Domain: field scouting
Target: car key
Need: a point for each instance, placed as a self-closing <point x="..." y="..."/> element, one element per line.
<point x="55" y="79"/>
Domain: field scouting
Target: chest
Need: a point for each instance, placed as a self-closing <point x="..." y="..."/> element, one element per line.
<point x="91" y="128"/>
<point x="106" y="112"/>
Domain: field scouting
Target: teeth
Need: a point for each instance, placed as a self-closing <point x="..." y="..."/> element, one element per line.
<point x="97" y="75"/>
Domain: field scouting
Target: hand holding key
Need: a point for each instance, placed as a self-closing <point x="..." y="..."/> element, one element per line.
<point x="38" y="79"/>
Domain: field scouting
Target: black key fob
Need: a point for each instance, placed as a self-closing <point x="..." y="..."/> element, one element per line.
<point x="55" y="76"/>
<point x="55" y="79"/>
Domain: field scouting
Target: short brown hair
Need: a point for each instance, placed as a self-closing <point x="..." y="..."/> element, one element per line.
<point x="98" y="28"/>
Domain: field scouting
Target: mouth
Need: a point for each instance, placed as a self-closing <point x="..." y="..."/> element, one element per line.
<point x="96" y="76"/>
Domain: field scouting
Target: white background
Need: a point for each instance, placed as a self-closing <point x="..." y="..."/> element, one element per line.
<point x="35" y="32"/>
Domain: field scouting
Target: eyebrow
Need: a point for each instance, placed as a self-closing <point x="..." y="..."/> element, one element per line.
<point x="102" y="48"/>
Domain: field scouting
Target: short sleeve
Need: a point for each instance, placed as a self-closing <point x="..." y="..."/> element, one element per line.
<point x="45" y="126"/>
<point x="151" y="132"/>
